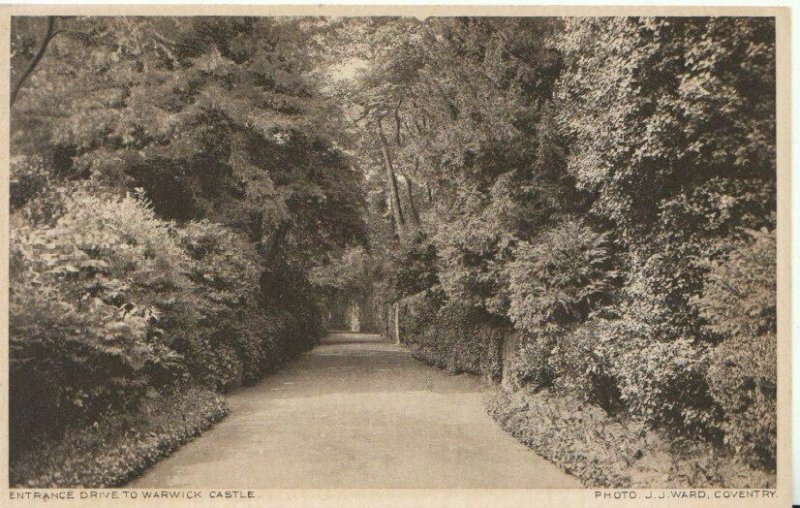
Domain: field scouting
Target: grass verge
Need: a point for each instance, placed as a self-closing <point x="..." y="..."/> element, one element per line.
<point x="119" y="447"/>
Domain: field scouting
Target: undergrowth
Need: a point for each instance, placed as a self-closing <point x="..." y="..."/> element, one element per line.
<point x="603" y="451"/>
<point x="118" y="447"/>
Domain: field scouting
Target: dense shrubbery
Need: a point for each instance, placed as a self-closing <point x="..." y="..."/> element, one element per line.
<point x="559" y="278"/>
<point x="601" y="193"/>
<point x="584" y="208"/>
<point x="109" y="302"/>
<point x="452" y="336"/>
<point x="225" y="272"/>
<point x="738" y="303"/>
<point x="165" y="221"/>
<point x="96" y="293"/>
<point x="118" y="447"/>
<point x="615" y="452"/>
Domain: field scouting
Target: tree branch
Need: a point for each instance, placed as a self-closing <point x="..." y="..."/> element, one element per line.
<point x="80" y="35"/>
<point x="48" y="36"/>
<point x="367" y="110"/>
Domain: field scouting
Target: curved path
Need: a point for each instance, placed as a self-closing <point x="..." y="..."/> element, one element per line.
<point x="356" y="412"/>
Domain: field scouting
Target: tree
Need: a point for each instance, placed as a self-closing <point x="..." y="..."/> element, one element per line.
<point x="671" y="128"/>
<point x="217" y="111"/>
<point x="187" y="169"/>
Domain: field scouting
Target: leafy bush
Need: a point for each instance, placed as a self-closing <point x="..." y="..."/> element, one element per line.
<point x="739" y="303"/>
<point x="740" y="295"/>
<point x="92" y="297"/>
<point x="554" y="282"/>
<point x="415" y="266"/>
<point x="559" y="278"/>
<point x="118" y="446"/>
<point x="28" y="176"/>
<point x="529" y="363"/>
<point x="565" y="431"/>
<point x="470" y="251"/>
<point x="225" y="271"/>
<point x="584" y="364"/>
<point x="108" y="302"/>
<point x="622" y="366"/>
<point x="451" y="336"/>
<point x="615" y="452"/>
<point x="663" y="383"/>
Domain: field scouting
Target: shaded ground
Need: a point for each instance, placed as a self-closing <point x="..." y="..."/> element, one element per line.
<point x="357" y="412"/>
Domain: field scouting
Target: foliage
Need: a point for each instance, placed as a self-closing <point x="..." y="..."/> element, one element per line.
<point x="173" y="183"/>
<point x="577" y="206"/>
<point x="225" y="270"/>
<point x="470" y="254"/>
<point x="108" y="302"/>
<point x="415" y="263"/>
<point x="529" y="364"/>
<point x="216" y="118"/>
<point x="739" y="304"/>
<point x="451" y="336"/>
<point x="688" y="98"/>
<point x="589" y="185"/>
<point x="740" y="297"/>
<point x="615" y="452"/>
<point x="29" y="176"/>
<point x="668" y="125"/>
<point x="560" y="278"/>
<point x="118" y="447"/>
<point x="344" y="273"/>
<point x="92" y="297"/>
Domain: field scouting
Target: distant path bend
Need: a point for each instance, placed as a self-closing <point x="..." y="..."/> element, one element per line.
<point x="356" y="412"/>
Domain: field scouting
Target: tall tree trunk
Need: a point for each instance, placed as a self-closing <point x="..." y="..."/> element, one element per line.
<point x="396" y="323"/>
<point x="394" y="195"/>
<point x="393" y="221"/>
<point x="411" y="205"/>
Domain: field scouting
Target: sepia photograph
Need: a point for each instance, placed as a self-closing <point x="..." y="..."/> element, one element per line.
<point x="321" y="251"/>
